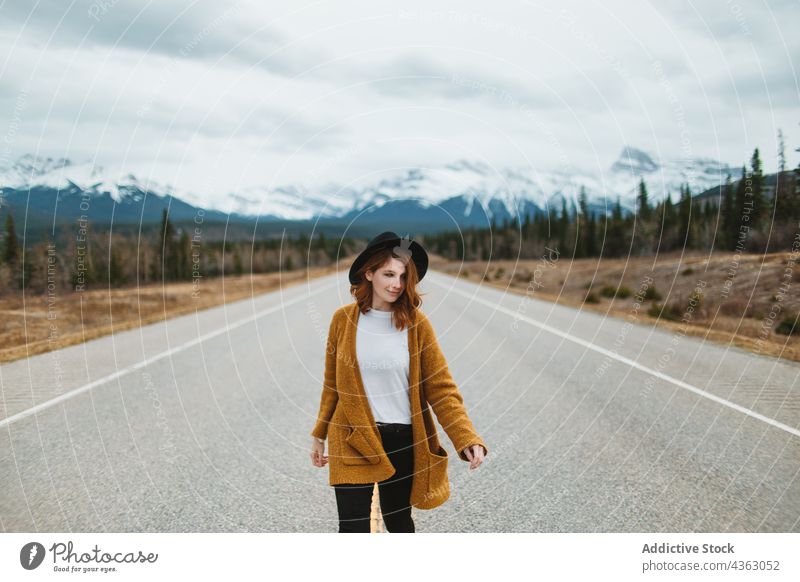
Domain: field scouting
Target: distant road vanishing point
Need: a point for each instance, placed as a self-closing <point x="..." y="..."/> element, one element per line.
<point x="594" y="424"/>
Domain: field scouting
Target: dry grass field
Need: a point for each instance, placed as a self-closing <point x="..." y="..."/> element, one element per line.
<point x="740" y="299"/>
<point x="25" y="325"/>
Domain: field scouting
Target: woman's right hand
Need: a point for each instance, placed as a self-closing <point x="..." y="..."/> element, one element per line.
<point x="318" y="457"/>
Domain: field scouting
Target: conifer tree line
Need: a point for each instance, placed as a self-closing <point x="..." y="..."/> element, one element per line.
<point x="102" y="260"/>
<point x="746" y="216"/>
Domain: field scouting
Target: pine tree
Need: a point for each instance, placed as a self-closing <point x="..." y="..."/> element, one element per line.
<point x="550" y="228"/>
<point x="166" y="249"/>
<point x="685" y="216"/>
<point x="758" y="197"/>
<point x="710" y="212"/>
<point x="616" y="236"/>
<point x="11" y="254"/>
<point x="794" y="189"/>
<point x="784" y="199"/>
<point x="583" y="202"/>
<point x="669" y="211"/>
<point x="727" y="230"/>
<point x="184" y="257"/>
<point x="563" y="226"/>
<point x="591" y="236"/>
<point x="644" y="205"/>
<point x="582" y="223"/>
<point x="739" y="200"/>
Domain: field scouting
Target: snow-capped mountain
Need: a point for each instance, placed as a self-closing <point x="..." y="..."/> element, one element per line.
<point x="462" y="193"/>
<point x="289" y="202"/>
<point x="63" y="174"/>
<point x="45" y="193"/>
<point x="482" y="186"/>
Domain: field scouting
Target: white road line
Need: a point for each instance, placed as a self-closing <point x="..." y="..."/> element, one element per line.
<point x="132" y="368"/>
<point x="67" y="395"/>
<point x="624" y="360"/>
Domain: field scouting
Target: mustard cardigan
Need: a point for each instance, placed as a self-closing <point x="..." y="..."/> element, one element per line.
<point x="355" y="450"/>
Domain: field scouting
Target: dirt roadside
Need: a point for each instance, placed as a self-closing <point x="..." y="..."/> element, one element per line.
<point x="735" y="299"/>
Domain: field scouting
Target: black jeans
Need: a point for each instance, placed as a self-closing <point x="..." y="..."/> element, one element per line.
<point x="354" y="501"/>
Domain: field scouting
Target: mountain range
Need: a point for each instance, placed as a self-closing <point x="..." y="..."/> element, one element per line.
<point x="41" y="192"/>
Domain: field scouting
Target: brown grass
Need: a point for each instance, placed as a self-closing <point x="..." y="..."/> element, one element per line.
<point x="739" y="318"/>
<point x="26" y="330"/>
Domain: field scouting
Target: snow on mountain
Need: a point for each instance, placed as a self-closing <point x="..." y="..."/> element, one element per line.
<point x="662" y="177"/>
<point x="479" y="183"/>
<point x="30" y="171"/>
<point x="634" y="161"/>
<point x="289" y="202"/>
<point x="474" y="182"/>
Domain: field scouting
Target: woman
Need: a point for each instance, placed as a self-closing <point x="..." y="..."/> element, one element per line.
<point x="384" y="371"/>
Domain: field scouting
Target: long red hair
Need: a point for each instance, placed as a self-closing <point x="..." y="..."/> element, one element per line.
<point x="404" y="308"/>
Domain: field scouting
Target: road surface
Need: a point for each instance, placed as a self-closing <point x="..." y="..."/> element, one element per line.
<point x="594" y="424"/>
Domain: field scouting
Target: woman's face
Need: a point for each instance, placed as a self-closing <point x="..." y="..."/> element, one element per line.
<point x="389" y="281"/>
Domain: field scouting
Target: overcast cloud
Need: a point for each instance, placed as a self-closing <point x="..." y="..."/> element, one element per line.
<point x="218" y="96"/>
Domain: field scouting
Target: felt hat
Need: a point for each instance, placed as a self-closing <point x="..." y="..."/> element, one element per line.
<point x="402" y="247"/>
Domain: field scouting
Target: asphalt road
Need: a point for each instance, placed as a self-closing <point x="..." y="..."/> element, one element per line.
<point x="594" y="424"/>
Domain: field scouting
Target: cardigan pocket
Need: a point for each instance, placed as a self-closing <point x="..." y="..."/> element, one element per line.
<point x="437" y="473"/>
<point x="356" y="449"/>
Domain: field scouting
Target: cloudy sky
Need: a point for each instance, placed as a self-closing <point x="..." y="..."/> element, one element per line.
<point x="221" y="95"/>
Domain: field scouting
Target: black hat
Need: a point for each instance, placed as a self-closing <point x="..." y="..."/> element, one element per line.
<point x="386" y="240"/>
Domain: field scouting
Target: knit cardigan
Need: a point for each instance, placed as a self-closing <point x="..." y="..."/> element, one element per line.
<point x="355" y="450"/>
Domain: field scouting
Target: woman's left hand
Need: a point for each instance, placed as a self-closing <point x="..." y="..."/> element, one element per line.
<point x="475" y="455"/>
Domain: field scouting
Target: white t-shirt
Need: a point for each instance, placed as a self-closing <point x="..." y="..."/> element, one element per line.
<point x="383" y="359"/>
